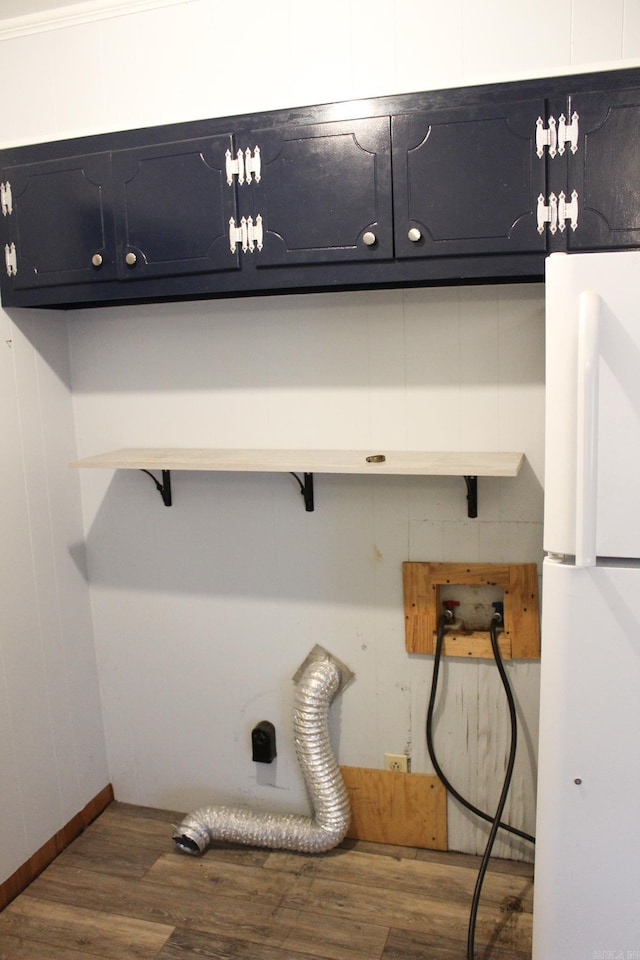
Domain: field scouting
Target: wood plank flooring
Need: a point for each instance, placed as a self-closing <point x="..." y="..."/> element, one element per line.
<point x="122" y="892"/>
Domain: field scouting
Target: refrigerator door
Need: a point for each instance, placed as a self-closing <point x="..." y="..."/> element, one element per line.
<point x="587" y="885"/>
<point x="614" y="282"/>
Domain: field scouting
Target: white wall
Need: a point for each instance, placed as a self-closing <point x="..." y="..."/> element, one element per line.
<point x="52" y="751"/>
<point x="203" y="612"/>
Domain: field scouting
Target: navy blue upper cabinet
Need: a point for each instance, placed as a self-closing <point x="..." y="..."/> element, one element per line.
<point x="474" y="184"/>
<point x="600" y="180"/>
<point x="58" y="220"/>
<point x="322" y="193"/>
<point x="467" y="181"/>
<point x="172" y="208"/>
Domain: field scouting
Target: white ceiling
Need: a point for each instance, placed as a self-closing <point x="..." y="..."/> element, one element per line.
<point x="20" y="8"/>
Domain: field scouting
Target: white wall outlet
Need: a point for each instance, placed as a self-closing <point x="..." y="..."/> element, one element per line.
<point x="398" y="762"/>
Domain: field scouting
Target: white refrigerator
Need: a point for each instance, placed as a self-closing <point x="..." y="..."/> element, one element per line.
<point x="587" y="876"/>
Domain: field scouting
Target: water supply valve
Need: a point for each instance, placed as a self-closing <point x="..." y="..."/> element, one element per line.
<point x="449" y="609"/>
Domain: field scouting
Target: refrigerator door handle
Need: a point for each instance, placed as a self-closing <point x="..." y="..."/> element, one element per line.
<point x="587" y="428"/>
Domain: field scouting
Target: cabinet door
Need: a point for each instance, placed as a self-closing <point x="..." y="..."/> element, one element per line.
<point x="324" y="193"/>
<point x="604" y="171"/>
<point x="173" y="206"/>
<point x="467" y="181"/>
<point x="60" y="225"/>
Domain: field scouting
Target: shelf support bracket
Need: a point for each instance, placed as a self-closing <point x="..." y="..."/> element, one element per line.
<point x="472" y="496"/>
<point x="306" y="489"/>
<point x="164" y="488"/>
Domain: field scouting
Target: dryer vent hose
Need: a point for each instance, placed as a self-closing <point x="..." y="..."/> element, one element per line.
<point x="318" y="684"/>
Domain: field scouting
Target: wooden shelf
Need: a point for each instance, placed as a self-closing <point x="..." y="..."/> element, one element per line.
<point x="397" y="462"/>
<point x="307" y="462"/>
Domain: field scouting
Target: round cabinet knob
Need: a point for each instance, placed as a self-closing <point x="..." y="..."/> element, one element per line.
<point x="96" y="259"/>
<point x="130" y="259"/>
<point x="369" y="238"/>
<point x="414" y="235"/>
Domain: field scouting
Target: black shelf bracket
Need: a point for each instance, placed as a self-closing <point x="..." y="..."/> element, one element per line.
<point x="472" y="496"/>
<point x="164" y="488"/>
<point x="306" y="489"/>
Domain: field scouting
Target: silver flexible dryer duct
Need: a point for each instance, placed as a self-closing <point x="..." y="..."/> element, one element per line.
<point x="319" y="682"/>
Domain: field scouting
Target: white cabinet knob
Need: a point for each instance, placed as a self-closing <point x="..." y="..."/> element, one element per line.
<point x="369" y="238"/>
<point x="96" y="259"/>
<point x="414" y="234"/>
<point x="130" y="259"/>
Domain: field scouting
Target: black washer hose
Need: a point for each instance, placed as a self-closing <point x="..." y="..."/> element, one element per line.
<point x="496" y="822"/>
<point x="436" y="766"/>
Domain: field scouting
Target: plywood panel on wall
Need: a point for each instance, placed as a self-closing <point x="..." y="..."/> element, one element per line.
<point x="520" y="638"/>
<point x="408" y="809"/>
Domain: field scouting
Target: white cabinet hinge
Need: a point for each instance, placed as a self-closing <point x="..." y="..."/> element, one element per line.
<point x="235" y="168"/>
<point x="10" y="259"/>
<point x="6" y="200"/>
<point x="252" y="164"/>
<point x="249" y="234"/>
<point x="548" y="213"/>
<point x="245" y="166"/>
<point x="567" y="211"/>
<point x="568" y="133"/>
<point x="557" y="135"/>
<point x="546" y="136"/>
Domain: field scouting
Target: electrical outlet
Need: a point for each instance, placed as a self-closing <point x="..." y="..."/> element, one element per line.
<point x="398" y="762"/>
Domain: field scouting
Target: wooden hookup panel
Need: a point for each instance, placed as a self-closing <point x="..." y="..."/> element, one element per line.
<point x="407" y="809"/>
<point x="520" y="638"/>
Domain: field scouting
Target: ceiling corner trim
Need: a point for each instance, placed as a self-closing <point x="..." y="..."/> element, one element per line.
<point x="72" y="15"/>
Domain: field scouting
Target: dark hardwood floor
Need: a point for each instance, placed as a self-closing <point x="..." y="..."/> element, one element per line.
<point x="121" y="892"/>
